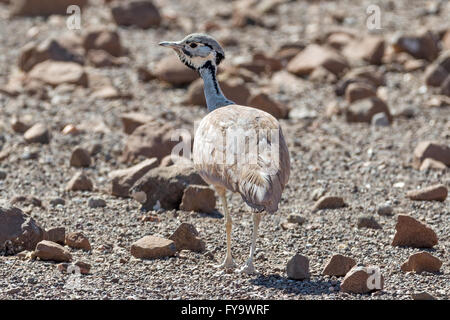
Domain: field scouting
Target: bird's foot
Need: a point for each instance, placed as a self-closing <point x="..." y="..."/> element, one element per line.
<point x="228" y="263"/>
<point x="248" y="268"/>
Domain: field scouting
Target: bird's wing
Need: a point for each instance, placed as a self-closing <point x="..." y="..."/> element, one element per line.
<point x="243" y="149"/>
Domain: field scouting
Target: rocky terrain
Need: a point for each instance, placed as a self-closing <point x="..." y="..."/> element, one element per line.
<point x="92" y="207"/>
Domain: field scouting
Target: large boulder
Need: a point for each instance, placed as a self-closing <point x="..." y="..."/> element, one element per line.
<point x="18" y="231"/>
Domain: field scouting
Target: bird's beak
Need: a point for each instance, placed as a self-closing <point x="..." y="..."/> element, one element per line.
<point x="171" y="44"/>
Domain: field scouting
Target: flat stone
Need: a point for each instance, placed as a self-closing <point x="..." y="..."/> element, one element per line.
<point x="151" y="247"/>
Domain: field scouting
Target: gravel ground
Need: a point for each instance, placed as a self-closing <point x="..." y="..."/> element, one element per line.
<point x="361" y="163"/>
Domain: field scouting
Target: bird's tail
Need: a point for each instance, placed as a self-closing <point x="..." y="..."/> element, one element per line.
<point x="260" y="190"/>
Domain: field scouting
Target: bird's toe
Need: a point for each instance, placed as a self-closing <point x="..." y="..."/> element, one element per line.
<point x="248" y="269"/>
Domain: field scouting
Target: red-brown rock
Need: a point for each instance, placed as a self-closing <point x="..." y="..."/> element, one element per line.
<point x="199" y="199"/>
<point x="422" y="261"/>
<point x="412" y="233"/>
<point x="338" y="265"/>
<point x="436" y="192"/>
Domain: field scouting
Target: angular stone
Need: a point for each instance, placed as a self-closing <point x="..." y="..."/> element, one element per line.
<point x="420" y="46"/>
<point x="363" y="110"/>
<point x="142" y="14"/>
<point x="370" y="49"/>
<point x="329" y="202"/>
<point x="80" y="158"/>
<point x="186" y="238"/>
<point x="298" y="267"/>
<point x="78" y="240"/>
<point x="80" y="182"/>
<point x="166" y="185"/>
<point x="430" y="164"/>
<point x="314" y="56"/>
<point x="56" y="73"/>
<point x="47" y="250"/>
<point x="412" y="233"/>
<point x="362" y="280"/>
<point x="199" y="199"/>
<point x="432" y="150"/>
<point x="103" y="39"/>
<point x="338" y="265"/>
<point x="18" y="231"/>
<point x="132" y="120"/>
<point x="422" y="261"/>
<point x="358" y="90"/>
<point x="122" y="180"/>
<point x="151" y="247"/>
<point x="368" y="222"/>
<point x="57" y="235"/>
<point x="436" y="192"/>
<point x="263" y="102"/>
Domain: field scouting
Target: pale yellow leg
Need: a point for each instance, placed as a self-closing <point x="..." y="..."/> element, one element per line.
<point x="228" y="263"/>
<point x="248" y="267"/>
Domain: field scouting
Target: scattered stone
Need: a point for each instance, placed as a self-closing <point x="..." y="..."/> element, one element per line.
<point x="57" y="201"/>
<point x="19" y="126"/>
<point x="18" y="231"/>
<point x="435" y="75"/>
<point x="421" y="46"/>
<point x="199" y="199"/>
<point x="57" y="235"/>
<point x="422" y="296"/>
<point x="338" y="265"/>
<point x="298" y="267"/>
<point x="56" y="73"/>
<point x="2" y="175"/>
<point x="363" y="110"/>
<point x="359" y="90"/>
<point x="80" y="182"/>
<point x="436" y="192"/>
<point x="380" y="120"/>
<point x="263" y="102"/>
<point x="385" y="210"/>
<point x="370" y="49"/>
<point x="430" y="164"/>
<point x="142" y="14"/>
<point x="132" y="120"/>
<point x="151" y="140"/>
<point x="422" y="261"/>
<point x="96" y="203"/>
<point x="186" y="238"/>
<point x="295" y="218"/>
<point x="48" y="250"/>
<point x="170" y="69"/>
<point x="78" y="240"/>
<point x="432" y="150"/>
<point x="80" y="158"/>
<point x="26" y="201"/>
<point x="122" y="180"/>
<point x="314" y="56"/>
<point x="37" y="134"/>
<point x="77" y="267"/>
<point x="166" y="185"/>
<point x="43" y="7"/>
<point x="53" y="49"/>
<point x="412" y="233"/>
<point x="151" y="247"/>
<point x="357" y="280"/>
<point x="103" y="39"/>
<point x="329" y="202"/>
<point x="368" y="222"/>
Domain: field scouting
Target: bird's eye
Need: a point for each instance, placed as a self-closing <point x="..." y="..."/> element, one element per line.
<point x="193" y="45"/>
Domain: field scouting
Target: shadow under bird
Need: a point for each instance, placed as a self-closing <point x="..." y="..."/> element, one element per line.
<point x="262" y="176"/>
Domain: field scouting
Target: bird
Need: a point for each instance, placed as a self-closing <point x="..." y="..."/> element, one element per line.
<point x="222" y="137"/>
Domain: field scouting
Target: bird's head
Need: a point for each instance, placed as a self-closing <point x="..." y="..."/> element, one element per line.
<point x="197" y="50"/>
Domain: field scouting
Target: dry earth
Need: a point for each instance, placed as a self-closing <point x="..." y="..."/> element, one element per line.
<point x="367" y="165"/>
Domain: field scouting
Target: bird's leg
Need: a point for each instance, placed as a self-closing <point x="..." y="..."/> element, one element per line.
<point x="228" y="263"/>
<point x="248" y="267"/>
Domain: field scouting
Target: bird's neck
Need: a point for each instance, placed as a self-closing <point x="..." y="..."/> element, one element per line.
<point x="213" y="94"/>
